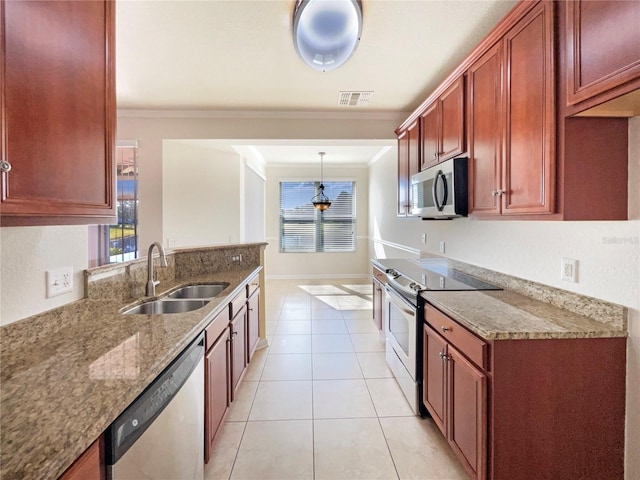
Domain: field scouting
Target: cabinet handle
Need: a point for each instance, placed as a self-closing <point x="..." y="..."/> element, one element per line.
<point x="497" y="193"/>
<point x="435" y="155"/>
<point x="442" y="355"/>
<point x="445" y="329"/>
<point x="5" y="166"/>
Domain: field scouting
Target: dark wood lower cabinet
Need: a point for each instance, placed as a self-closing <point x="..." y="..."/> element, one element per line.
<point x="88" y="466"/>
<point x="455" y="394"/>
<point x="519" y="409"/>
<point x="253" y="323"/>
<point x="217" y="397"/>
<point x="238" y="335"/>
<point x="378" y="303"/>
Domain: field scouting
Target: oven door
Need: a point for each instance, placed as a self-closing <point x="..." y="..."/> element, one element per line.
<point x="401" y="344"/>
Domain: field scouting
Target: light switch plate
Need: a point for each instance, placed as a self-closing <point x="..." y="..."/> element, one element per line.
<point x="59" y="281"/>
<point x="441" y="247"/>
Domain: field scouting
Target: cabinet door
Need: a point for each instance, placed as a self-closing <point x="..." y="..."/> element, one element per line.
<point x="89" y="466"/>
<point x="603" y="47"/>
<point x="403" y="174"/>
<point x="485" y="132"/>
<point x="452" y="121"/>
<point x="58" y="112"/>
<point x="216" y="371"/>
<point x="238" y="348"/>
<point x="433" y="377"/>
<point x="527" y="179"/>
<point x="408" y="164"/>
<point x="253" y="323"/>
<point x="467" y="412"/>
<point x="430" y="134"/>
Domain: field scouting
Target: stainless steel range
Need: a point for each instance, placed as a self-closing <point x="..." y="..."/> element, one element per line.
<point x="403" y="315"/>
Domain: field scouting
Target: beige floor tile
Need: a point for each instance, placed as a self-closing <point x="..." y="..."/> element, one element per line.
<point x="374" y="365"/>
<point x="328" y="326"/>
<point x="271" y="326"/>
<point x="336" y="343"/>
<point x="286" y="327"/>
<point x="358" y="314"/>
<point x="341" y="399"/>
<point x="289" y="400"/>
<point x="367" y="342"/>
<point x="420" y="451"/>
<point x="287" y="367"/>
<point x="255" y="367"/>
<point x="361" y="326"/>
<point x="351" y="449"/>
<point x="295" y="314"/>
<point x="241" y="406"/>
<point x="224" y="451"/>
<point x="275" y="451"/>
<point x="325" y="313"/>
<point x="290" y="344"/>
<point x="335" y="366"/>
<point x="355" y="302"/>
<point x="388" y="398"/>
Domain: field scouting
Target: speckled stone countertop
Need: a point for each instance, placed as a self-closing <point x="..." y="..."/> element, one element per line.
<point x="524" y="309"/>
<point x="68" y="373"/>
<point x="503" y="314"/>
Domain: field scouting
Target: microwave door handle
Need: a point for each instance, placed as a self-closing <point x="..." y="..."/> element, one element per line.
<point x="440" y="176"/>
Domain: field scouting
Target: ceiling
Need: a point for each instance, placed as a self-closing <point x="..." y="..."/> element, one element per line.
<point x="238" y="55"/>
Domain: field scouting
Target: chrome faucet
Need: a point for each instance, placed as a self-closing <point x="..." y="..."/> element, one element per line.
<point x="151" y="283"/>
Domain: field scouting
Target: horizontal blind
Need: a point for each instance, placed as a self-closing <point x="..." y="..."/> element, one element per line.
<point x="305" y="229"/>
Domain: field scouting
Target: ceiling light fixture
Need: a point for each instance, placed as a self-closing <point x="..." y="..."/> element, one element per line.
<point x="321" y="201"/>
<point x="326" y="32"/>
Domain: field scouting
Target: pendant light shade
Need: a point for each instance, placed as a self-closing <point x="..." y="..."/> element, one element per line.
<point x="321" y="201"/>
<point x="326" y="32"/>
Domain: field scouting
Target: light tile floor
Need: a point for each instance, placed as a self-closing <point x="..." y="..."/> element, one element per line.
<point x="320" y="402"/>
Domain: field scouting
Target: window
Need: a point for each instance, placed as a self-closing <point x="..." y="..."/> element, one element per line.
<point x="119" y="242"/>
<point x="305" y="229"/>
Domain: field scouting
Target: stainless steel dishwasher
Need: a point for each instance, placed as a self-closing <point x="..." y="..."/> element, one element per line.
<point x="161" y="434"/>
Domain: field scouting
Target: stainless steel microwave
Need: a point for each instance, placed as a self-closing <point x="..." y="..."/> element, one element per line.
<point x="441" y="192"/>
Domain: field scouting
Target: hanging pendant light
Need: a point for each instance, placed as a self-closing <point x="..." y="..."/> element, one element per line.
<point x="321" y="201"/>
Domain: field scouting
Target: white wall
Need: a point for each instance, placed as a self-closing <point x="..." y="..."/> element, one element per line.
<point x="306" y="265"/>
<point x="150" y="128"/>
<point x="254" y="206"/>
<point x="26" y="253"/>
<point x="201" y="192"/>
<point x="608" y="252"/>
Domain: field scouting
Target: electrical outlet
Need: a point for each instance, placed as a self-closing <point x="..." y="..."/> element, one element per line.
<point x="424" y="238"/>
<point x="236" y="258"/>
<point x="569" y="270"/>
<point x="441" y="247"/>
<point x="59" y="281"/>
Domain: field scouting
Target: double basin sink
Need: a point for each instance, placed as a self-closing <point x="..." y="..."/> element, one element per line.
<point x="185" y="299"/>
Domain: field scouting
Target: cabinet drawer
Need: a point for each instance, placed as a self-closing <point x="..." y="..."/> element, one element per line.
<point x="253" y="285"/>
<point x="379" y="275"/>
<point x="465" y="341"/>
<point x="237" y="304"/>
<point x="215" y="328"/>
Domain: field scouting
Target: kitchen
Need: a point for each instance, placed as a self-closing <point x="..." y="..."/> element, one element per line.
<point x="607" y="250"/>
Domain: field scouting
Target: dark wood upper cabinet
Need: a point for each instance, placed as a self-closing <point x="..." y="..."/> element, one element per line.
<point x="529" y="103"/>
<point x="408" y="165"/>
<point x="602" y="49"/>
<point x="58" y="112"/>
<point x="442" y="126"/>
<point x="484" y="131"/>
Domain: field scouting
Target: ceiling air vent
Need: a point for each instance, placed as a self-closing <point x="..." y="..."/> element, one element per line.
<point x="354" y="99"/>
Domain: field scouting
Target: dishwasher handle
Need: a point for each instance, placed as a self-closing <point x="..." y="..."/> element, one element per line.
<point x="138" y="416"/>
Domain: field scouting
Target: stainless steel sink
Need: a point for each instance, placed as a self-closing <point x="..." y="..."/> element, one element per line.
<point x="167" y="306"/>
<point x="199" y="291"/>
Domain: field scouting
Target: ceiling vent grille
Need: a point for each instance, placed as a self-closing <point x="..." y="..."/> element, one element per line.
<point x="354" y="99"/>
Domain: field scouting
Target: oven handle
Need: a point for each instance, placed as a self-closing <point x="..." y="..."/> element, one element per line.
<point x="397" y="299"/>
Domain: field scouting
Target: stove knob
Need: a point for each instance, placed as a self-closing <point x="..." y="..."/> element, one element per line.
<point x="416" y="287"/>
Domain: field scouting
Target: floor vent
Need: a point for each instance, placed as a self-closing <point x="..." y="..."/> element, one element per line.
<point x="354" y="99"/>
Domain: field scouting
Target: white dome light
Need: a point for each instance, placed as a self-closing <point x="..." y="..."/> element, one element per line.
<point x="326" y="32"/>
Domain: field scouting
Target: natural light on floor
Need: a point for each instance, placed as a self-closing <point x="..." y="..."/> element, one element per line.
<point x="342" y="297"/>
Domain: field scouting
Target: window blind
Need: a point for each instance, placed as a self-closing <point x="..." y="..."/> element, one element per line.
<point x="305" y="229"/>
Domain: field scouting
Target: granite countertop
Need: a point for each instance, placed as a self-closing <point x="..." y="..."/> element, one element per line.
<point x="68" y="373"/>
<point x="503" y="314"/>
<point x="522" y="310"/>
